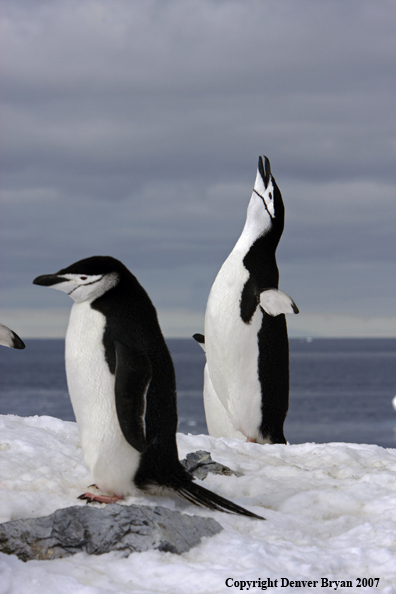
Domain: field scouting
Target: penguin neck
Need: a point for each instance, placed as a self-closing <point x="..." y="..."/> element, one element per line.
<point x="260" y="261"/>
<point x="257" y="245"/>
<point x="260" y="224"/>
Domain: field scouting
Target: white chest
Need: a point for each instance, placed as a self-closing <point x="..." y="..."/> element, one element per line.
<point x="91" y="385"/>
<point x="232" y="348"/>
<point x="109" y="457"/>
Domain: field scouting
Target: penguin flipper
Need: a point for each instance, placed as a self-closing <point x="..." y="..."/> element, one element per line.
<point x="9" y="338"/>
<point x="200" y="338"/>
<point x="132" y="379"/>
<point x="276" y="302"/>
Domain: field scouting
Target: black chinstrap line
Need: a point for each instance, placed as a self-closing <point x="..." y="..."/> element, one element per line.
<point x="266" y="207"/>
<point x="86" y="284"/>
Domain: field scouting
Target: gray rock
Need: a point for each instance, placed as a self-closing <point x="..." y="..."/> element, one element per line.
<point x="99" y="530"/>
<point x="200" y="463"/>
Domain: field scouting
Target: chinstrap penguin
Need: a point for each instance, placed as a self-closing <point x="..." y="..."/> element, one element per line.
<point x="246" y="387"/>
<point x="122" y="385"/>
<point x="9" y="338"/>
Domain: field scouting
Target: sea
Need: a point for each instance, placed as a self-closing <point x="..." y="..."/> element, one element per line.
<point x="341" y="390"/>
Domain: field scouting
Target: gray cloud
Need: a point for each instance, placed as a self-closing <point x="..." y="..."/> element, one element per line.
<point x="134" y="128"/>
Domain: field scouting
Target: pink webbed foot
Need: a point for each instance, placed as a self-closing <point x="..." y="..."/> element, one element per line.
<point x="91" y="497"/>
<point x="251" y="440"/>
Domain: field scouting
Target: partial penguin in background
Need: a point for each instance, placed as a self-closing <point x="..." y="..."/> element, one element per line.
<point x="122" y="385"/>
<point x="9" y="338"/>
<point x="246" y="387"/>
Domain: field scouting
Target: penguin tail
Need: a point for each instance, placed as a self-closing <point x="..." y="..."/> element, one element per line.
<point x="202" y="497"/>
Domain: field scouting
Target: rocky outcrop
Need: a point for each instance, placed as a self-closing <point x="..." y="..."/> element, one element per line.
<point x="200" y="463"/>
<point x="95" y="530"/>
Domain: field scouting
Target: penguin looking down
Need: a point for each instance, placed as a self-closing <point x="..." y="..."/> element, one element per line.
<point x="246" y="382"/>
<point x="9" y="338"/>
<point x="122" y="386"/>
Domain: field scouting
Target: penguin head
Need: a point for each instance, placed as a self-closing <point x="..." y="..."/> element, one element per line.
<point x="85" y="280"/>
<point x="266" y="211"/>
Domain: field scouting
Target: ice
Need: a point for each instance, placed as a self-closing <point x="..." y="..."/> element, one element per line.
<point x="330" y="509"/>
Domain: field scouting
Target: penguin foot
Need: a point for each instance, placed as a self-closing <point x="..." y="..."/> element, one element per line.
<point x="251" y="440"/>
<point x="90" y="498"/>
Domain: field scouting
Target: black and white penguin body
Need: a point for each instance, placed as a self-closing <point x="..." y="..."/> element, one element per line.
<point x="9" y="338"/>
<point x="246" y="341"/>
<point x="122" y="384"/>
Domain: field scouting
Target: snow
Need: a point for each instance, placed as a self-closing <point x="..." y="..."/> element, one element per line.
<point x="330" y="509"/>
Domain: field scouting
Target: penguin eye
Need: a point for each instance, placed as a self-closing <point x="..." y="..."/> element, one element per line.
<point x="270" y="195"/>
<point x="83" y="277"/>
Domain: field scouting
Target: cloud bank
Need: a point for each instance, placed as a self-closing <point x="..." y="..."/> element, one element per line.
<point x="133" y="129"/>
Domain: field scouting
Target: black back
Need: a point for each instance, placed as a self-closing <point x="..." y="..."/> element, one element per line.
<point x="132" y="320"/>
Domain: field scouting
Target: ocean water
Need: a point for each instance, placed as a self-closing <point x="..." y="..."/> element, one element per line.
<point x="341" y="390"/>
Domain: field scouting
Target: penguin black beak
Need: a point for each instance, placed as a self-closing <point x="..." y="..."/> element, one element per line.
<point x="17" y="343"/>
<point x="265" y="172"/>
<point x="48" y="280"/>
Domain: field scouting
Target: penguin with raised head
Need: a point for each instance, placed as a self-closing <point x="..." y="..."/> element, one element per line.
<point x="246" y="389"/>
<point x="122" y="385"/>
<point x="9" y="338"/>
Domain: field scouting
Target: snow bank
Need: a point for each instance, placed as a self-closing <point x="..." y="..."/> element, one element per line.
<point x="330" y="509"/>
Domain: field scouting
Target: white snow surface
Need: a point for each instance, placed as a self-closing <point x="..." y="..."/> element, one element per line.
<point x="330" y="509"/>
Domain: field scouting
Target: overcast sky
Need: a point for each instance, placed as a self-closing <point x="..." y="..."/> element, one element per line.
<point x="132" y="128"/>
